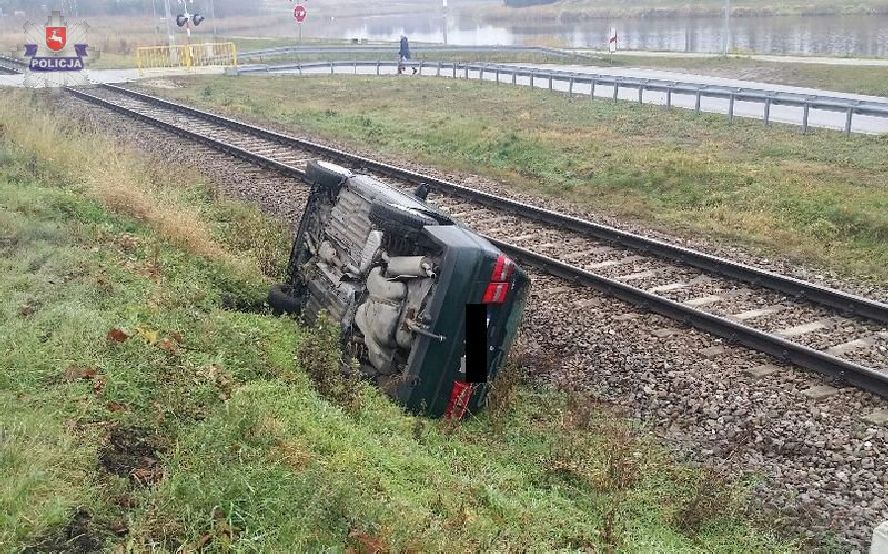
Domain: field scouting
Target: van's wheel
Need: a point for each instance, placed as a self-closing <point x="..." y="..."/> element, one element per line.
<point x="389" y="217"/>
<point x="282" y="301"/>
<point x="326" y="175"/>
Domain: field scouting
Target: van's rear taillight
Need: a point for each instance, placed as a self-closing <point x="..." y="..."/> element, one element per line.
<point x="502" y="270"/>
<point x="498" y="289"/>
<point x="460" y="395"/>
<point x="496" y="293"/>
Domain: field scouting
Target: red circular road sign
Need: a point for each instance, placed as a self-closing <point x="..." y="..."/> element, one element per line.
<point x="299" y="13"/>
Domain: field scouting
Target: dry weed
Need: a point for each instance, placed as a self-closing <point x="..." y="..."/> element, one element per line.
<point x="320" y="356"/>
<point x="110" y="175"/>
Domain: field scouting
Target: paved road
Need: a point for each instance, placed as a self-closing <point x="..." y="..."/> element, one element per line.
<point x="97" y="76"/>
<point x="782" y="114"/>
<point x="821" y="60"/>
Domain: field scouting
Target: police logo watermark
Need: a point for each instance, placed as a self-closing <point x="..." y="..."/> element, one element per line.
<point x="56" y="50"/>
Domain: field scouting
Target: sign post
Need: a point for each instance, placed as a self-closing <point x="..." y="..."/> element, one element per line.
<point x="299" y="13"/>
<point x="726" y="31"/>
<point x="56" y="50"/>
<point x="612" y="43"/>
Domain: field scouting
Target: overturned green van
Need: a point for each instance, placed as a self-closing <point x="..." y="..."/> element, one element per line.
<point x="399" y="277"/>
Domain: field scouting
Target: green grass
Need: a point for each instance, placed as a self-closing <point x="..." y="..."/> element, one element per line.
<point x="819" y="198"/>
<point x="111" y="60"/>
<point x="249" y="457"/>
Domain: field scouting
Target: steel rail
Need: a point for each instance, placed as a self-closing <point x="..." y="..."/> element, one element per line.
<point x="831" y="366"/>
<point x="860" y="376"/>
<point x="838" y="300"/>
<point x="220" y="145"/>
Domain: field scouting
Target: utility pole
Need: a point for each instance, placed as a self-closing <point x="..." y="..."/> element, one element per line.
<point x="213" y="17"/>
<point x="154" y="22"/>
<point x="444" y="20"/>
<point x="171" y="40"/>
<point x="726" y="32"/>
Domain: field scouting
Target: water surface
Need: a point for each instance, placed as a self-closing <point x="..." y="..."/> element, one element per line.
<point x="814" y="35"/>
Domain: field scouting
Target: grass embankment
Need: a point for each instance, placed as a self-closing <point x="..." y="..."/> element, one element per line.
<point x="819" y="198"/>
<point x="147" y="401"/>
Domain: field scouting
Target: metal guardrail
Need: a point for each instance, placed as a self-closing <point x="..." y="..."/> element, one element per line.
<point x="417" y="49"/>
<point x="767" y="98"/>
<point x="12" y="65"/>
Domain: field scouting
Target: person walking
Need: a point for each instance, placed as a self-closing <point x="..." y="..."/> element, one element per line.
<point x="404" y="55"/>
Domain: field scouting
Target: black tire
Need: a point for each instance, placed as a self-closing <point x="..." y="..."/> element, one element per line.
<point x="422" y="191"/>
<point x="282" y="301"/>
<point x="326" y="175"/>
<point x="388" y="216"/>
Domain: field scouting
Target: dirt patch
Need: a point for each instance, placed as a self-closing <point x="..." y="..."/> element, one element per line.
<point x="132" y="452"/>
<point x="536" y="366"/>
<point x="77" y="536"/>
<point x="160" y="83"/>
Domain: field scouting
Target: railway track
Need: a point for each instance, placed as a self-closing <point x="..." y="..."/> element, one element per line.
<point x="838" y="334"/>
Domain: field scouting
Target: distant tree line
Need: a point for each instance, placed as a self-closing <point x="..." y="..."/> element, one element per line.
<point x="522" y="3"/>
<point x="124" y="7"/>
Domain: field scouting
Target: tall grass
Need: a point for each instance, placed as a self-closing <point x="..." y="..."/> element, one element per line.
<point x="107" y="172"/>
